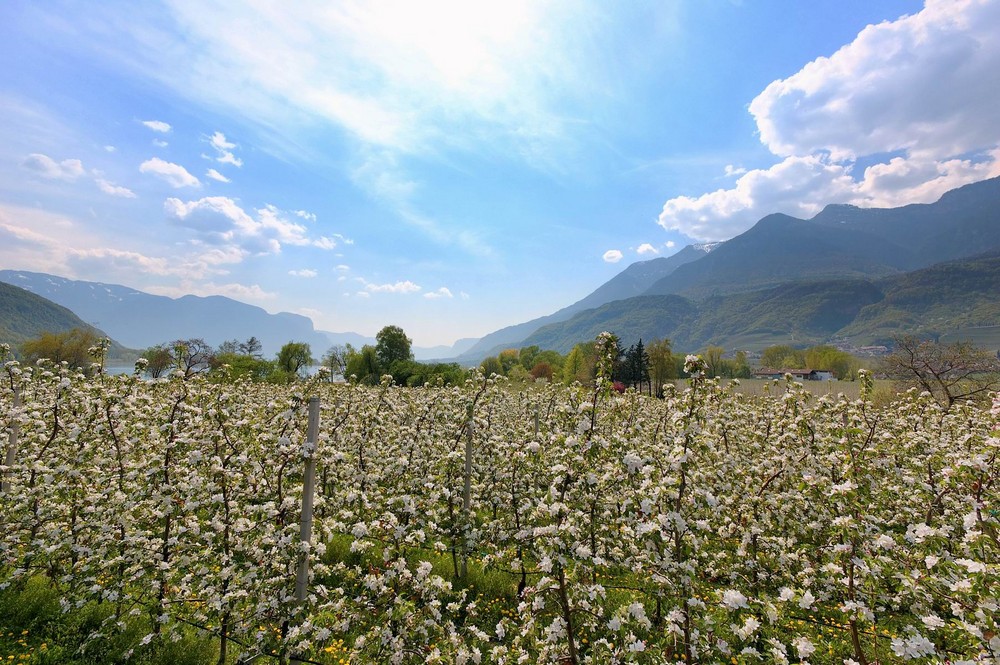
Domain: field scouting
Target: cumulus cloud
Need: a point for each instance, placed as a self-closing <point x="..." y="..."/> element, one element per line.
<point x="157" y="126"/>
<point x="908" y="94"/>
<point x="443" y="292"/>
<point x="646" y="248"/>
<point x="306" y="215"/>
<point x="224" y="150"/>
<point x="612" y="256"/>
<point x="732" y="171"/>
<point x="670" y="244"/>
<point x="45" y="166"/>
<point x="305" y="272"/>
<point x="114" y="190"/>
<point x="215" y="175"/>
<point x="325" y="243"/>
<point x="175" y="174"/>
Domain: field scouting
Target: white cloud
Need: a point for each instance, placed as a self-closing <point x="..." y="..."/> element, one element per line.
<point x="612" y="256"/>
<point x="443" y="292"/>
<point x="113" y="189"/>
<point x="45" y="166"/>
<point x="343" y="268"/>
<point x="325" y="243"/>
<point x="160" y="143"/>
<point x="221" y="220"/>
<point x="305" y="272"/>
<point x="912" y="89"/>
<point x="362" y="294"/>
<point x="306" y="215"/>
<point x="157" y="126"/>
<point x="670" y="244"/>
<point x="732" y="171"/>
<point x="215" y="175"/>
<point x="646" y="248"/>
<point x="223" y="150"/>
<point x="403" y="287"/>
<point x="916" y="84"/>
<point x="110" y="148"/>
<point x="175" y="174"/>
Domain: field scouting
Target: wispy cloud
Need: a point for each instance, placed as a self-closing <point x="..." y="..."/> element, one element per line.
<point x="443" y="292"/>
<point x="174" y="174"/>
<point x="157" y="126"/>
<point x="215" y="175"/>
<point x="114" y="190"/>
<point x="224" y="150"/>
<point x="304" y="272"/>
<point x="45" y="166"/>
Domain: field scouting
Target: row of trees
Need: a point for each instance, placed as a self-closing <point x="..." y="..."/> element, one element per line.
<point x="951" y="372"/>
<point x="392" y="354"/>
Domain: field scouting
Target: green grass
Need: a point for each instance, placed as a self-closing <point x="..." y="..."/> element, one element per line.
<point x="34" y="630"/>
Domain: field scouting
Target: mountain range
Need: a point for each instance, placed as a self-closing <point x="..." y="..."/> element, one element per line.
<point x="857" y="275"/>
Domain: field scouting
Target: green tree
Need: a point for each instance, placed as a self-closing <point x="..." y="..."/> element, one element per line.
<point x="293" y="357"/>
<point x="491" y="366"/>
<point x="392" y="345"/>
<point x="159" y="360"/>
<point x="232" y="366"/>
<point x="363" y="366"/>
<point x="508" y="358"/>
<point x="842" y="364"/>
<point x="72" y="346"/>
<point x="528" y="356"/>
<point x="579" y="364"/>
<point x="782" y="356"/>
<point x="662" y="367"/>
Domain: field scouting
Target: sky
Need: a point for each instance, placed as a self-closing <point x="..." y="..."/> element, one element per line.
<point x="453" y="167"/>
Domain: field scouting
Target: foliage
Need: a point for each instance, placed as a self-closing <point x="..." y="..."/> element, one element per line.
<point x="392" y="345"/>
<point x="950" y="372"/>
<point x="72" y="347"/>
<point x="294" y="357"/>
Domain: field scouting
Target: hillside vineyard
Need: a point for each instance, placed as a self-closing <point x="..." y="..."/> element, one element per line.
<point x="595" y="528"/>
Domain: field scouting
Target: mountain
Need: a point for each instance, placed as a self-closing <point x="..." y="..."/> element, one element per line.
<point x="948" y="299"/>
<point x="139" y="320"/>
<point x="632" y="281"/>
<point x="644" y="317"/>
<point x="846" y="242"/>
<point x="836" y="263"/>
<point x="25" y="315"/>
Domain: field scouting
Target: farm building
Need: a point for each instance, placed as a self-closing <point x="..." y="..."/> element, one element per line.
<point x="800" y="374"/>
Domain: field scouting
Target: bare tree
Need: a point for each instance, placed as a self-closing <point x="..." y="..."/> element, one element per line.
<point x="950" y="372"/>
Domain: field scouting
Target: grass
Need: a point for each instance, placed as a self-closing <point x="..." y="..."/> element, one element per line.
<point x="34" y="630"/>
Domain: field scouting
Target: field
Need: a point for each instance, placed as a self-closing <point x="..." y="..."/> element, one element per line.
<point x="160" y="522"/>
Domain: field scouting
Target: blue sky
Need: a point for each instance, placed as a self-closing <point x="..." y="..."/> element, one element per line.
<point x="454" y="167"/>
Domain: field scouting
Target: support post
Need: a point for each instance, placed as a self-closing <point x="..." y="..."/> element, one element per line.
<point x="15" y="429"/>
